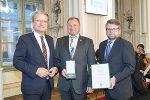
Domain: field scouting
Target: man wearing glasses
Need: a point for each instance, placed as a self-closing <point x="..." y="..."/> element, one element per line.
<point x="34" y="57"/>
<point x="120" y="55"/>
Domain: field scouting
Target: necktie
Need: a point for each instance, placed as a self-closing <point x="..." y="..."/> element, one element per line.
<point x="72" y="48"/>
<point x="108" y="48"/>
<point x="44" y="50"/>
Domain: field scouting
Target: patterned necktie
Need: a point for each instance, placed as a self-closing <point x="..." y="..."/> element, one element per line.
<point x="44" y="50"/>
<point x="72" y="48"/>
<point x="108" y="48"/>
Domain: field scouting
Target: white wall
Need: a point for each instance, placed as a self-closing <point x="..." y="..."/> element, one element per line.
<point x="144" y="10"/>
<point x="94" y="25"/>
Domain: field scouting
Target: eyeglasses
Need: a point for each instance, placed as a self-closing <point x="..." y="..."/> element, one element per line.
<point x="41" y="21"/>
<point x="112" y="29"/>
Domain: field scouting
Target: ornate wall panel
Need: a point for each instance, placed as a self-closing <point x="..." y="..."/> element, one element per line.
<point x="129" y="18"/>
<point x="56" y="16"/>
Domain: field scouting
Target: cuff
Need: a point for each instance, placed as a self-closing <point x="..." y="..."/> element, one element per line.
<point x="56" y="69"/>
<point x="37" y="71"/>
<point x="115" y="78"/>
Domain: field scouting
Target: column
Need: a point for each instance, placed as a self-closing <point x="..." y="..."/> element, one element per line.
<point x="144" y="24"/>
<point x="144" y="16"/>
<point x="1" y="84"/>
<point x="74" y="8"/>
<point x="148" y="26"/>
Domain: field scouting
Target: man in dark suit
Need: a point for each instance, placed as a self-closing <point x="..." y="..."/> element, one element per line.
<point x="34" y="57"/>
<point x="121" y="59"/>
<point x="75" y="89"/>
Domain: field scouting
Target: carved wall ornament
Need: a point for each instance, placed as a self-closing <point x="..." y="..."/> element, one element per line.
<point x="57" y="18"/>
<point x="128" y="17"/>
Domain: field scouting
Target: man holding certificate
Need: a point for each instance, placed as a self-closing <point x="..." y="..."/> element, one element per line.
<point x="120" y="56"/>
<point x="73" y="54"/>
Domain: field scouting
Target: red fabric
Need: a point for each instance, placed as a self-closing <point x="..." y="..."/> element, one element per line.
<point x="147" y="83"/>
<point x="44" y="50"/>
<point x="102" y="98"/>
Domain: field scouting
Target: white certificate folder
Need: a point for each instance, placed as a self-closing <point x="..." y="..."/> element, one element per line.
<point x="100" y="76"/>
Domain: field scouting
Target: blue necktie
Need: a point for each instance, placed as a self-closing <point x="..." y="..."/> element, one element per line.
<point x="108" y="48"/>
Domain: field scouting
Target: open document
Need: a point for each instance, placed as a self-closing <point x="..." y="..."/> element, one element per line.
<point x="100" y="76"/>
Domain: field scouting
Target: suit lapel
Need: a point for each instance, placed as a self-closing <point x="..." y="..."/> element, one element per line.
<point x="116" y="46"/>
<point x="79" y="44"/>
<point x="103" y="49"/>
<point x="66" y="46"/>
<point x="37" y="45"/>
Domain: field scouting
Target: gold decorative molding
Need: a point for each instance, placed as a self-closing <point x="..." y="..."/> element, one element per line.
<point x="12" y="85"/>
<point x="144" y="33"/>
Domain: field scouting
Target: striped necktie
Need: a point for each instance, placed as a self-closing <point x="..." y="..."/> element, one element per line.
<point x="72" y="48"/>
<point x="44" y="50"/>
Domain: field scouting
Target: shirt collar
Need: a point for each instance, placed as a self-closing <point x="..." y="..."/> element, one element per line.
<point x="76" y="36"/>
<point x="112" y="41"/>
<point x="37" y="35"/>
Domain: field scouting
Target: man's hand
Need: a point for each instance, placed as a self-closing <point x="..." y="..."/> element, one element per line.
<point x="112" y="82"/>
<point x="42" y="72"/>
<point x="89" y="90"/>
<point x="64" y="72"/>
<point x="142" y="71"/>
<point x="52" y="71"/>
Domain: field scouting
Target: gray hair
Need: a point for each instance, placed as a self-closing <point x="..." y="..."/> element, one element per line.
<point x="40" y="12"/>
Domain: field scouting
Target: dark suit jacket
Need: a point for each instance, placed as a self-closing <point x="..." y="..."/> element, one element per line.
<point x="122" y="64"/>
<point x="28" y="57"/>
<point x="84" y="55"/>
